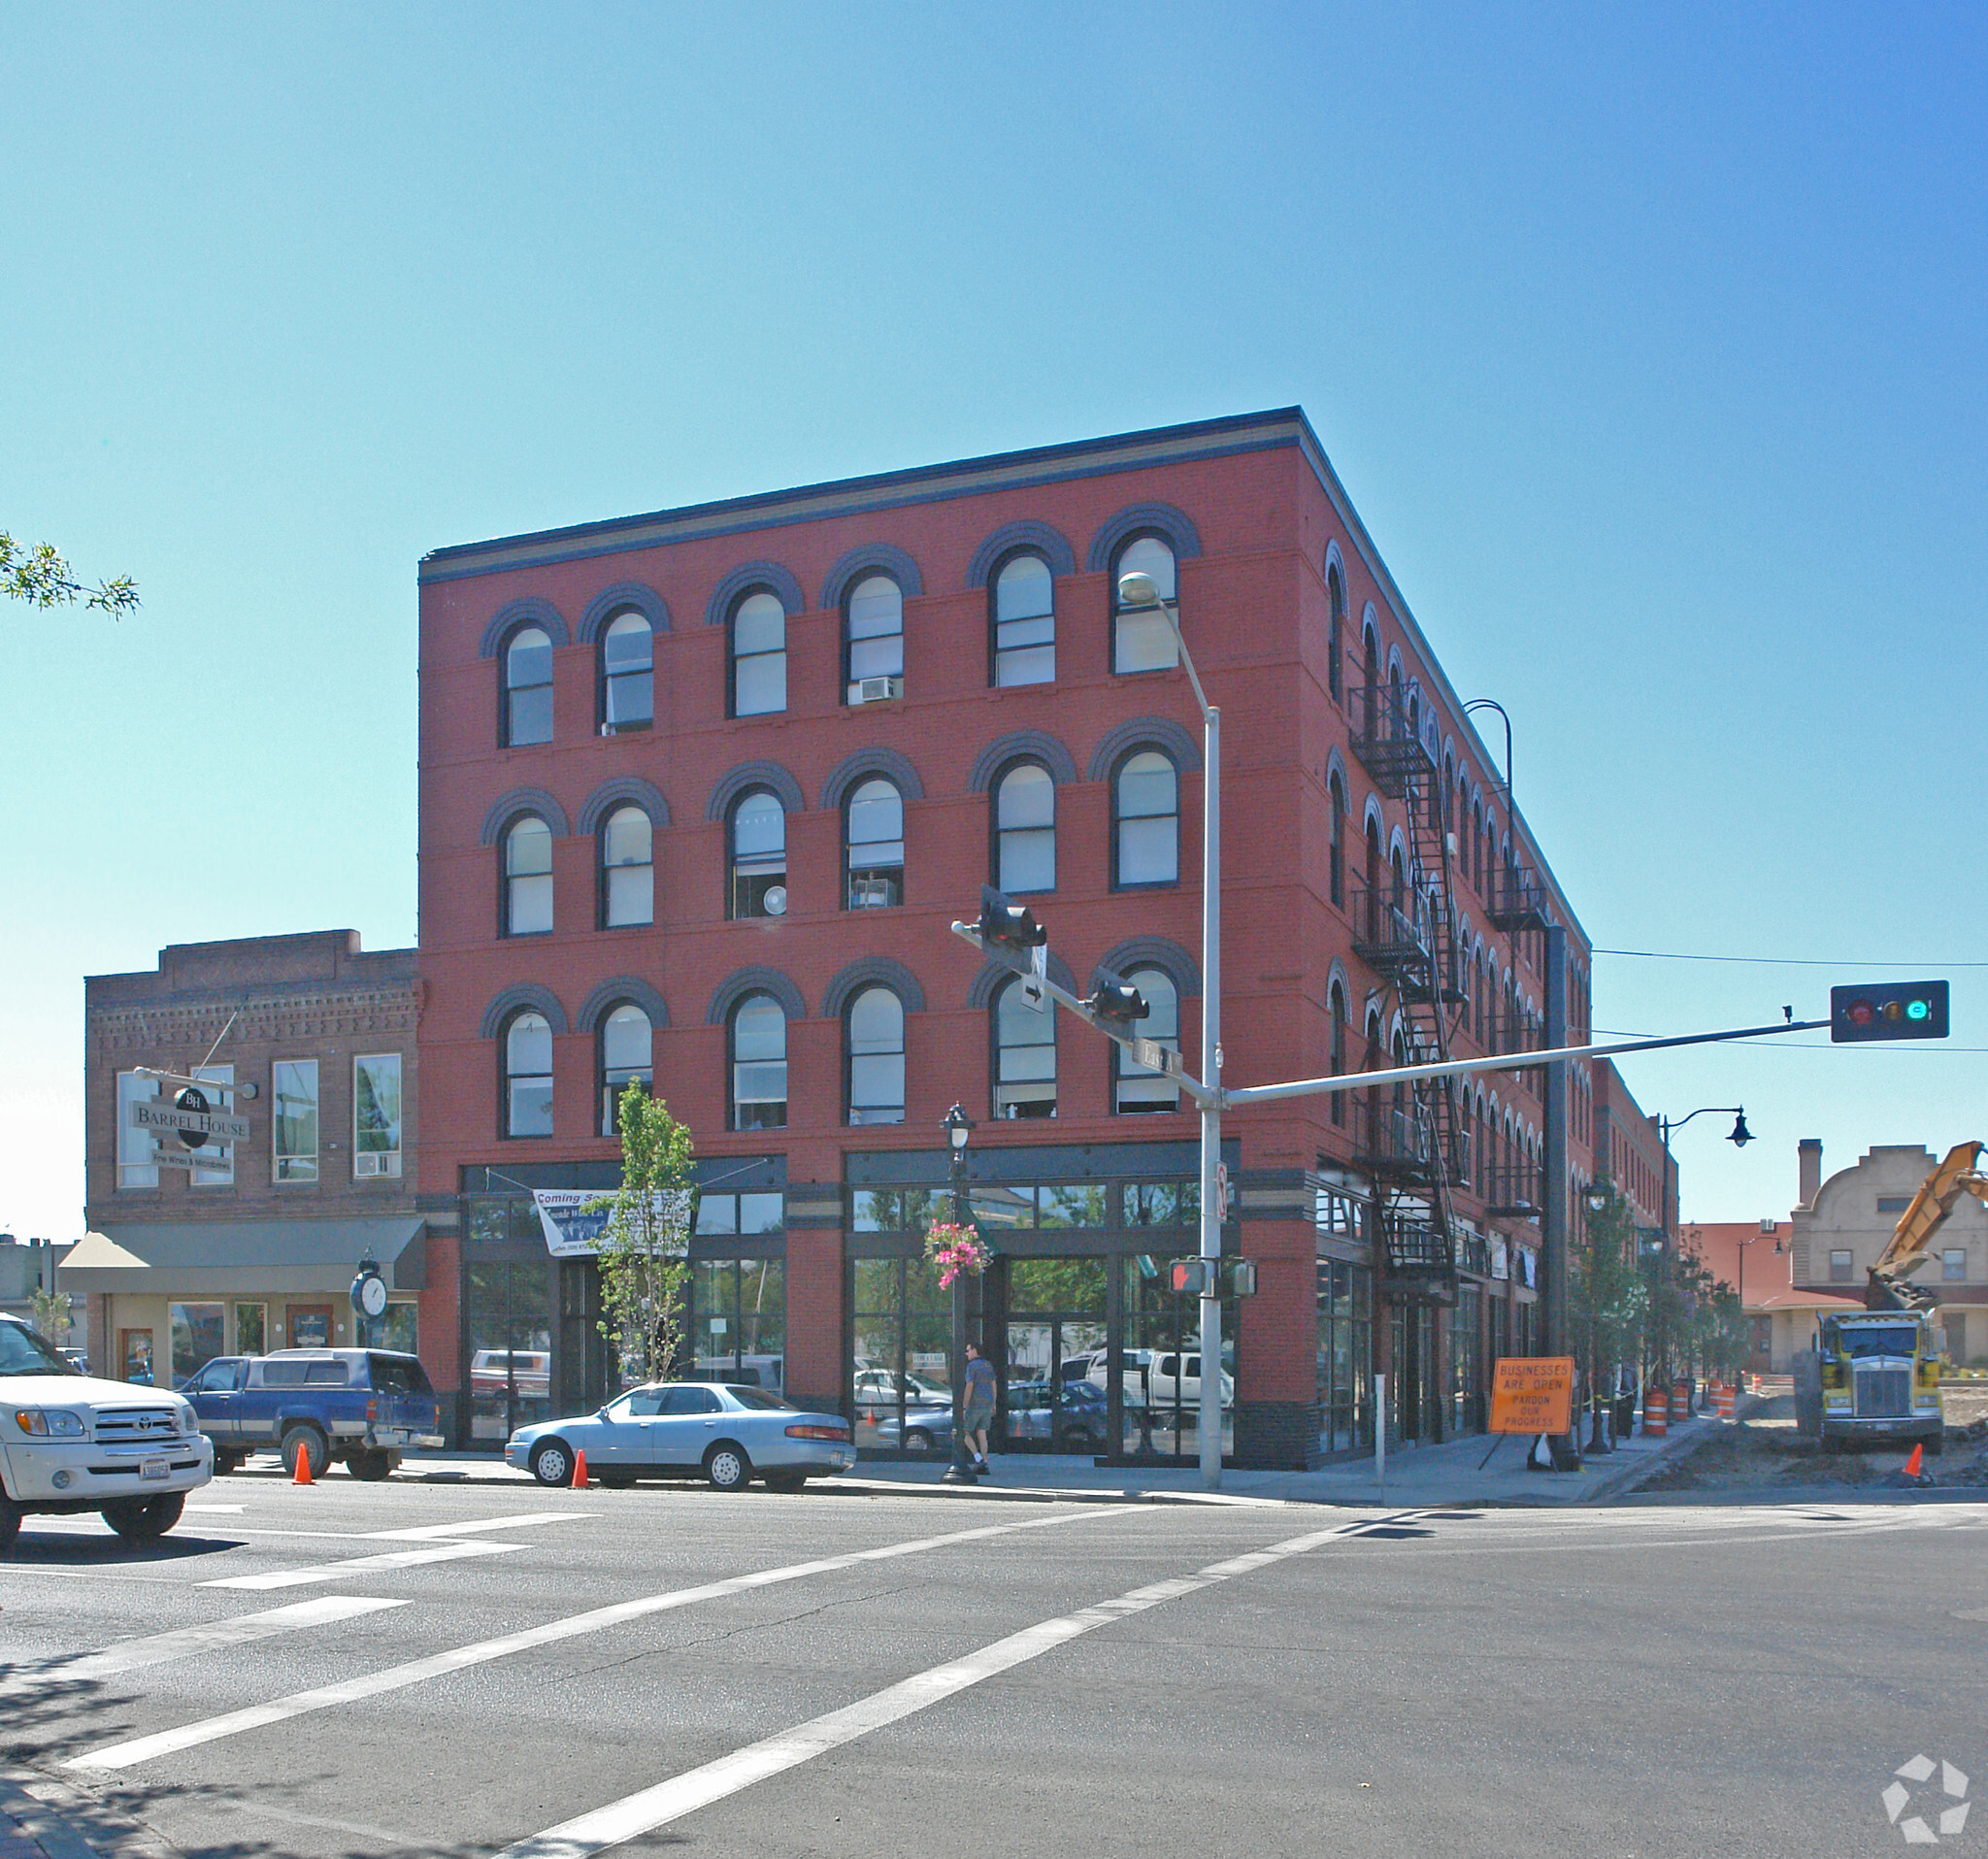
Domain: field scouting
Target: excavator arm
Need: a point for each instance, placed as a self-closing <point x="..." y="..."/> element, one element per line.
<point x="1938" y="1196"/>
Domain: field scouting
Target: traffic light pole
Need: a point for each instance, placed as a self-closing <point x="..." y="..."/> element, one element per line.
<point x="1210" y="1415"/>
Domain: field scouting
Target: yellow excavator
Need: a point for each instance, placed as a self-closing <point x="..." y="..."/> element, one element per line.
<point x="1890" y="1287"/>
<point x="1879" y="1368"/>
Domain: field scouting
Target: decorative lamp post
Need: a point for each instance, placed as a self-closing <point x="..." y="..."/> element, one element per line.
<point x="1739" y="1136"/>
<point x="959" y="1129"/>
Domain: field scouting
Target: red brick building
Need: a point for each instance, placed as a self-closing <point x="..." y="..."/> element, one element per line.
<point x="701" y="792"/>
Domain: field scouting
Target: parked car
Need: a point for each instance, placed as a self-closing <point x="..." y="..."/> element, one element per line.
<point x="527" y="1372"/>
<point x="360" y="1406"/>
<point x="1070" y="1417"/>
<point x="726" y="1431"/>
<point x="880" y="1387"/>
<point x="927" y="1429"/>
<point x="70" y="1443"/>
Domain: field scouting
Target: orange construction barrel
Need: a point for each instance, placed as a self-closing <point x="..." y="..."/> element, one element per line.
<point x="1725" y="1400"/>
<point x="1654" y="1425"/>
<point x="1680" y="1399"/>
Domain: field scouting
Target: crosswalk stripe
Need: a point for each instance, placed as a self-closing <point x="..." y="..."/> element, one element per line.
<point x="669" y="1801"/>
<point x="442" y="1532"/>
<point x="137" y="1750"/>
<point x="364" y="1565"/>
<point x="185" y="1641"/>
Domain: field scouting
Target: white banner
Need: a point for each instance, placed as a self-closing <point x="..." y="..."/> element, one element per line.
<point x="572" y="1219"/>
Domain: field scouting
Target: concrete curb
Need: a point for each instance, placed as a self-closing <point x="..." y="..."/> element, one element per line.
<point x="64" y="1822"/>
<point x="1631" y="1477"/>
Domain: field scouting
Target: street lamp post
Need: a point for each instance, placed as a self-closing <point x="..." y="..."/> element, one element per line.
<point x="1740" y="1137"/>
<point x="1135" y="591"/>
<point x="959" y="1127"/>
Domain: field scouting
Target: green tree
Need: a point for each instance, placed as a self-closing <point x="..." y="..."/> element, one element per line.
<point x="36" y="572"/>
<point x="643" y="1248"/>
<point x="49" y="1312"/>
<point x="1607" y="1297"/>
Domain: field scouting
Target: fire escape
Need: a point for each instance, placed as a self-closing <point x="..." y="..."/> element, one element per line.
<point x="1414" y="1142"/>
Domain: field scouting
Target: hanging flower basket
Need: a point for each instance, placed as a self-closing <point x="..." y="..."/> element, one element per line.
<point x="954" y="1249"/>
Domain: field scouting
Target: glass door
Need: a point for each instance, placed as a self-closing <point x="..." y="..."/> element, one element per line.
<point x="510" y="1338"/>
<point x="1055" y="1392"/>
<point x="1158" y="1367"/>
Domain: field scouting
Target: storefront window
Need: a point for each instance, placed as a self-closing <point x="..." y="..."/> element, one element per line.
<point x="894" y="1210"/>
<point x="1072" y="1205"/>
<point x="392" y="1329"/>
<point x="250" y="1328"/>
<point x="1054" y="1396"/>
<point x="902" y="1325"/>
<point x="134" y="1357"/>
<point x="1345" y="1343"/>
<point x="197" y="1337"/>
<point x="758" y="1212"/>
<point x="1162" y="1203"/>
<point x="507" y="1323"/>
<point x="1466" y="1375"/>
<point x="135" y="1165"/>
<point x="1159" y="1367"/>
<point x="737" y="1320"/>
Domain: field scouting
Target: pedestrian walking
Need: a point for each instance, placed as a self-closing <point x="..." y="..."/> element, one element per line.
<point x="979" y="1407"/>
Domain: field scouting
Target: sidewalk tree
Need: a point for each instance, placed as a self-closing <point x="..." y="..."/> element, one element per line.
<point x="1607" y="1297"/>
<point x="36" y="572"/>
<point x="644" y="1247"/>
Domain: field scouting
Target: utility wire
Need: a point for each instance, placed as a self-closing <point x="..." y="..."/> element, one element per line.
<point x="1774" y="961"/>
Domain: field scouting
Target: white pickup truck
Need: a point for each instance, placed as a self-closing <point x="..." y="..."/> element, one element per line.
<point x="70" y="1443"/>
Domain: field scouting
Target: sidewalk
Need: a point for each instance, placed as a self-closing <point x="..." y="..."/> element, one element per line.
<point x="45" y="1819"/>
<point x="1451" y="1473"/>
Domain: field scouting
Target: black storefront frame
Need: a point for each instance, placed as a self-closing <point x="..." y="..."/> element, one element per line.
<point x="1109" y="1167"/>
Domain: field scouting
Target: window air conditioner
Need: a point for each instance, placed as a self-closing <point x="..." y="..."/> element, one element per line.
<point x="369" y="1163"/>
<point x="877" y="691"/>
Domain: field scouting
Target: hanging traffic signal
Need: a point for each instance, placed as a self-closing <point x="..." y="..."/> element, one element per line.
<point x="1118" y="1002"/>
<point x="1888" y="1011"/>
<point x="1010" y="924"/>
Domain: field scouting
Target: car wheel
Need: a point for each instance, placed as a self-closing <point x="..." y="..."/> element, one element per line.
<point x="312" y="1443"/>
<point x="144" y="1518"/>
<point x="372" y="1465"/>
<point x="786" y="1480"/>
<point x="919" y="1440"/>
<point x="10" y="1520"/>
<point x="552" y="1463"/>
<point x="727" y="1467"/>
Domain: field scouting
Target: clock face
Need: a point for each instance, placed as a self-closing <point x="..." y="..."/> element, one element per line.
<point x="371" y="1295"/>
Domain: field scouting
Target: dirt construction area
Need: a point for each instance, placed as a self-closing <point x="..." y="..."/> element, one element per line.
<point x="1764" y="1450"/>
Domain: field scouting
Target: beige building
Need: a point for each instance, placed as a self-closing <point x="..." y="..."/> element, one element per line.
<point x="1844" y="1222"/>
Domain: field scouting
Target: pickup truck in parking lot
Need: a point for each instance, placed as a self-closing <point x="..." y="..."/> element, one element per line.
<point x="360" y="1406"/>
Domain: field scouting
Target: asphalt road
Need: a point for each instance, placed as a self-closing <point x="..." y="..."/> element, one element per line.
<point x="559" y="1674"/>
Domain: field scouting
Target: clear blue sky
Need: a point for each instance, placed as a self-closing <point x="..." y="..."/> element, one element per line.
<point x="1649" y="341"/>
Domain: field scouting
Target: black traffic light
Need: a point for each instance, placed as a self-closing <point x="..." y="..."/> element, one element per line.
<point x="1010" y="924"/>
<point x="1888" y="1011"/>
<point x="1118" y="1002"/>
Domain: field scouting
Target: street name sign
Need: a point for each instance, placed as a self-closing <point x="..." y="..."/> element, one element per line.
<point x="1532" y="1394"/>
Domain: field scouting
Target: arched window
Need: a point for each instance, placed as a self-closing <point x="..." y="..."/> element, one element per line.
<point x="626" y="1043"/>
<point x="1024" y="602"/>
<point x="876" y="1079"/>
<point x="1142" y="640"/>
<point x="1024" y="1054"/>
<point x="1025" y="829"/>
<point x="874" y="840"/>
<point x="1335" y="1007"/>
<point x="1335" y="797"/>
<point x="528" y="878"/>
<point x="759" y="855"/>
<point x="1336" y="602"/>
<point x="759" y="1064"/>
<point x="873" y="634"/>
<point x="1146" y="827"/>
<point x="528" y="1076"/>
<point x="759" y="655"/>
<point x="628" y="889"/>
<point x="1371" y="1137"/>
<point x="527" y="688"/>
<point x="1135" y="1088"/>
<point x="627" y="674"/>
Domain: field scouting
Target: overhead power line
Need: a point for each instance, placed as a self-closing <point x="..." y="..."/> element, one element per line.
<point x="1775" y="961"/>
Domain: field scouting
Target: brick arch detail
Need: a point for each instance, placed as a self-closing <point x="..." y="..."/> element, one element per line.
<point x="777" y="581"/>
<point x="993" y="973"/>
<point x="624" y="990"/>
<point x="1149" y="951"/>
<point x="1046" y="539"/>
<point x="515" y="999"/>
<point x="523" y="800"/>
<point x="754" y="979"/>
<point x="1162" y="519"/>
<point x="864" y="763"/>
<point x="872" y="971"/>
<point x="871" y="558"/>
<point x="1032" y="744"/>
<point x="619" y="599"/>
<point x="518" y="612"/>
<point x="735" y="781"/>
<point x="1146" y="732"/>
<point x="629" y="789"/>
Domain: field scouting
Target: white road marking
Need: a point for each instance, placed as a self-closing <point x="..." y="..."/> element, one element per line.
<point x="128" y="1754"/>
<point x="682" y="1795"/>
<point x="185" y="1641"/>
<point x="442" y="1532"/>
<point x="218" y="1509"/>
<point x="365" y="1565"/>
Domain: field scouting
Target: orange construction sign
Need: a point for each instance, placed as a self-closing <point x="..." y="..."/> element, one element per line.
<point x="1532" y="1394"/>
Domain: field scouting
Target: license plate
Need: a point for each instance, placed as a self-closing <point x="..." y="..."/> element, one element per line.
<point x="842" y="1459"/>
<point x="155" y="1469"/>
<point x="390" y="1435"/>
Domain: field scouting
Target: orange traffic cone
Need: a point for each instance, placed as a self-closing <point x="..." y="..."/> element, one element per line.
<point x="302" y="1475"/>
<point x="1913" y="1464"/>
<point x="579" y="1470"/>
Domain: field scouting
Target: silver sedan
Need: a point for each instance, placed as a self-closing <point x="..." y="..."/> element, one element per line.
<point x="685" y="1430"/>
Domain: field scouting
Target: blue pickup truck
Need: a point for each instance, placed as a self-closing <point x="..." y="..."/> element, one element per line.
<point x="360" y="1406"/>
